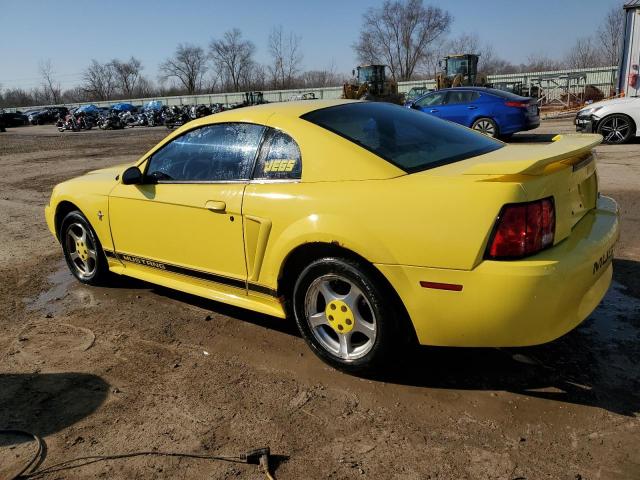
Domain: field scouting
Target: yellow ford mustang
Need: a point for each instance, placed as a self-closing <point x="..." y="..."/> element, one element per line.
<point x="370" y="224"/>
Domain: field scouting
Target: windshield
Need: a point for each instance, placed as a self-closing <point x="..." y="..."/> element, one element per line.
<point x="411" y="140"/>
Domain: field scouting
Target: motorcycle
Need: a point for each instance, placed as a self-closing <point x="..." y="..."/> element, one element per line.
<point x="198" y="111"/>
<point x="75" y="122"/>
<point x="154" y="117"/>
<point x="217" y="107"/>
<point x="110" y="121"/>
<point x="141" y="120"/>
<point x="176" y="116"/>
<point x="128" y="119"/>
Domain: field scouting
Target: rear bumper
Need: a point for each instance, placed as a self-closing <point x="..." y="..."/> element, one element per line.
<point x="522" y="125"/>
<point x="515" y="303"/>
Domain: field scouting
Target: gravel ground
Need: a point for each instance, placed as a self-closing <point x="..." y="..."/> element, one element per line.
<point x="102" y="371"/>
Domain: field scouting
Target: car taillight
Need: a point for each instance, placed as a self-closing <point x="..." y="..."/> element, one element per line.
<point x="523" y="229"/>
<point x="516" y="104"/>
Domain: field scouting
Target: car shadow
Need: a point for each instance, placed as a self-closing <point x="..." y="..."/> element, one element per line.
<point x="592" y="365"/>
<point x="45" y="403"/>
<point x="597" y="364"/>
<point x="267" y="321"/>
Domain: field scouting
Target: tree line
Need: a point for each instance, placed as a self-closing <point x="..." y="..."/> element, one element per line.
<point x="407" y="35"/>
<point x="412" y="37"/>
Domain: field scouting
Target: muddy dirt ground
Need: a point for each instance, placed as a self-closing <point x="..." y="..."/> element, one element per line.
<point x="134" y="367"/>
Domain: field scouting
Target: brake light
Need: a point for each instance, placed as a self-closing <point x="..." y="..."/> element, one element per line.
<point x="516" y="104"/>
<point x="523" y="229"/>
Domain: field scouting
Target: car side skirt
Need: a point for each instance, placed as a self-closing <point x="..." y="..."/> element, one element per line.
<point x="209" y="285"/>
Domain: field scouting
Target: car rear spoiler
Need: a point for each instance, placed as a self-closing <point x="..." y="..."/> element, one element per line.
<point x="567" y="149"/>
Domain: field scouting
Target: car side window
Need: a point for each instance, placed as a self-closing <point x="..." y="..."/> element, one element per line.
<point x="279" y="158"/>
<point x="219" y="152"/>
<point x="462" y="97"/>
<point x="431" y="100"/>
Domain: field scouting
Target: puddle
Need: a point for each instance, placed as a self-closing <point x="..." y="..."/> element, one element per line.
<point x="613" y="319"/>
<point x="48" y="301"/>
<point x="62" y="284"/>
<point x="614" y="335"/>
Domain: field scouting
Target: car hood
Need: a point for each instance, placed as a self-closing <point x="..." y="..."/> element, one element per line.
<point x="615" y="101"/>
<point x="110" y="171"/>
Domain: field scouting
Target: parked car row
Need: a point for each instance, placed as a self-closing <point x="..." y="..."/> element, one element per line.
<point x="490" y="111"/>
<point x="12" y="119"/>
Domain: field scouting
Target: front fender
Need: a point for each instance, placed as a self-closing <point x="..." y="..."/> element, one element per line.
<point x="90" y="195"/>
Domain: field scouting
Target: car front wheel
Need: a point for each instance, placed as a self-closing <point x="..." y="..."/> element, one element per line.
<point x="82" y="250"/>
<point x="616" y="128"/>
<point x="346" y="315"/>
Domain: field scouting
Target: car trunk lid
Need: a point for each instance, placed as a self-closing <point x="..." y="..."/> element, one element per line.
<point x="564" y="169"/>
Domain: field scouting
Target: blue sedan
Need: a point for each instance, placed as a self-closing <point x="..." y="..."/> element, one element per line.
<point x="493" y="112"/>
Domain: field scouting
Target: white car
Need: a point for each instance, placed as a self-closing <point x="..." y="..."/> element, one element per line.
<point x="616" y="120"/>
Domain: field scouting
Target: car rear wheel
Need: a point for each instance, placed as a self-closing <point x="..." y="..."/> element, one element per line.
<point x="486" y="126"/>
<point x="346" y="316"/>
<point x="616" y="128"/>
<point x="82" y="250"/>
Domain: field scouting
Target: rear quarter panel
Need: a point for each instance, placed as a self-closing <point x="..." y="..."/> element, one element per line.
<point x="441" y="222"/>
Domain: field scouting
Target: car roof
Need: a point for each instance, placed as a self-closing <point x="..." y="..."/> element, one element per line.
<point x="314" y="141"/>
<point x="490" y="91"/>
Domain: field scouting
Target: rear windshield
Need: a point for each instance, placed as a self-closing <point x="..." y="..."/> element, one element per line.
<point x="411" y="140"/>
<point x="507" y="95"/>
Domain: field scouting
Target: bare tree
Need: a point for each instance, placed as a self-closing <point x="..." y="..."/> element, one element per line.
<point x="17" y="97"/>
<point x="610" y="35"/>
<point x="326" y="77"/>
<point x="583" y="54"/>
<point x="285" y="57"/>
<point x="255" y="77"/>
<point x="233" y="57"/>
<point x="188" y="65"/>
<point x="399" y="34"/>
<point x="127" y="75"/>
<point x="144" y="88"/>
<point x="50" y="87"/>
<point x="99" y="81"/>
<point x="540" y="62"/>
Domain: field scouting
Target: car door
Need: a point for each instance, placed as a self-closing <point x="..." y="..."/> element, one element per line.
<point x="186" y="217"/>
<point x="461" y="107"/>
<point x="431" y="103"/>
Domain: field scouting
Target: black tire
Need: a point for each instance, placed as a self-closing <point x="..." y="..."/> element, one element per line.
<point x="616" y="128"/>
<point x="486" y="126"/>
<point x="390" y="322"/>
<point x="97" y="269"/>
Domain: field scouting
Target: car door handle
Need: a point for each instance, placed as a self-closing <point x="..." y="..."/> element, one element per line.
<point x="433" y="110"/>
<point x="215" y="206"/>
<point x="471" y="107"/>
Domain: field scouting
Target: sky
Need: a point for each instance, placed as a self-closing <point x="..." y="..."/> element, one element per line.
<point x="71" y="33"/>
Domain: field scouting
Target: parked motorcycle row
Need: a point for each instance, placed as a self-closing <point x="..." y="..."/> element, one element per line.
<point x="121" y="115"/>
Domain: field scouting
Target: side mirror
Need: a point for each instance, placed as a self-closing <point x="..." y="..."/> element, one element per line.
<point x="132" y="176"/>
